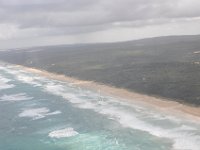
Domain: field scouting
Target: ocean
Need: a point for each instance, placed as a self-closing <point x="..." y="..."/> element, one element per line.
<point x="38" y="113"/>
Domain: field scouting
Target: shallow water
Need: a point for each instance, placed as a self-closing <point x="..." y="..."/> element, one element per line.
<point x="45" y="114"/>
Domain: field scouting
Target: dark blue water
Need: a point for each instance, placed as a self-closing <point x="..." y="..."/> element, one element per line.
<point x="38" y="113"/>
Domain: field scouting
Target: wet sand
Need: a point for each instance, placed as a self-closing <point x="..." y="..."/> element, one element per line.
<point x="165" y="105"/>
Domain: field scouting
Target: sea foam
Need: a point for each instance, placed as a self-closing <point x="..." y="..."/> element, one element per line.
<point x="129" y="116"/>
<point x="181" y="135"/>
<point x="4" y="83"/>
<point x="23" y="76"/>
<point x="28" y="79"/>
<point x="67" y="132"/>
<point x="37" y="113"/>
<point x="15" y="97"/>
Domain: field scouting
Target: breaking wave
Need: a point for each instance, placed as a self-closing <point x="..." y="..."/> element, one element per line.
<point x="23" y="76"/>
<point x="37" y="113"/>
<point x="15" y="97"/>
<point x="4" y="83"/>
<point x="183" y="135"/>
<point x="68" y="132"/>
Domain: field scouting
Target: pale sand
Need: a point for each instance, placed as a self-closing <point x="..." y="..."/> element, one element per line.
<point x="162" y="104"/>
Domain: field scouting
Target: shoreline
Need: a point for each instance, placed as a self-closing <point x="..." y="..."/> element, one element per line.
<point x="165" y="105"/>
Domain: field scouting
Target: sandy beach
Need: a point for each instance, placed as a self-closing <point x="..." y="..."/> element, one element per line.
<point x="162" y="104"/>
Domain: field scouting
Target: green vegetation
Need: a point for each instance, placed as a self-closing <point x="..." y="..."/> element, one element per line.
<point x="165" y="66"/>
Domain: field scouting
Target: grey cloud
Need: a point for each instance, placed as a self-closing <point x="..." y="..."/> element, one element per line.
<point x="82" y="16"/>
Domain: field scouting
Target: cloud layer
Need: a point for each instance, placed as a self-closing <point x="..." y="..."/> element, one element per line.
<point x="27" y="19"/>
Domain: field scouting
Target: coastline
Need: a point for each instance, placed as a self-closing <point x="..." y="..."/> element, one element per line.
<point x="158" y="103"/>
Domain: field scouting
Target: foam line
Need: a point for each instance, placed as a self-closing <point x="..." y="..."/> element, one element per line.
<point x="15" y="97"/>
<point x="37" y="113"/>
<point x="181" y="135"/>
<point x="184" y="134"/>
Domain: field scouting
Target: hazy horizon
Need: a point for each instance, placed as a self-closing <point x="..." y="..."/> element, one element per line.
<point x="88" y="43"/>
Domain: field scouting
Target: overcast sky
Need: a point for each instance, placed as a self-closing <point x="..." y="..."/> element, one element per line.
<point x="45" y="22"/>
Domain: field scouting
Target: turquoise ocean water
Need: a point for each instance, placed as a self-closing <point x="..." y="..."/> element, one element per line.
<point x="38" y="113"/>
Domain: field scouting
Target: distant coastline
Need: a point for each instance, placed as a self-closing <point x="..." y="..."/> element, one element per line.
<point x="161" y="104"/>
<point x="166" y="67"/>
